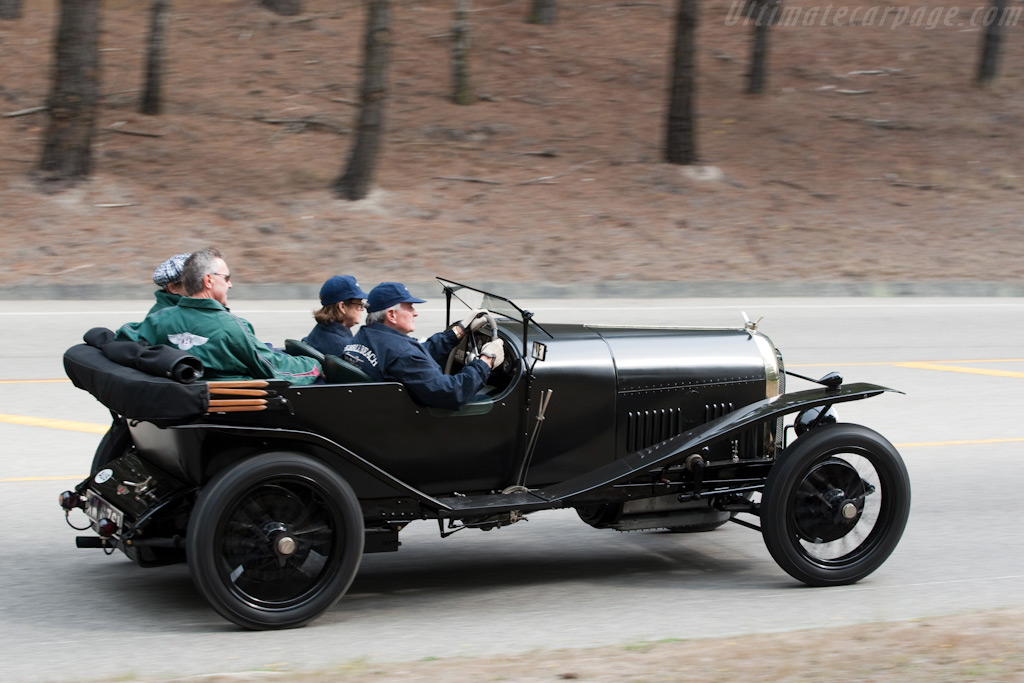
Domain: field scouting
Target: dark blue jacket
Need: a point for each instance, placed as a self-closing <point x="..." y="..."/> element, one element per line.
<point x="329" y="338"/>
<point x="385" y="354"/>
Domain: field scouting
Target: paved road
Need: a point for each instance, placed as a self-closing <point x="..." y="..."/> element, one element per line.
<point x="550" y="582"/>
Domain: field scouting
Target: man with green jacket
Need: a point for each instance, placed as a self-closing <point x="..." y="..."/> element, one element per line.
<point x="202" y="325"/>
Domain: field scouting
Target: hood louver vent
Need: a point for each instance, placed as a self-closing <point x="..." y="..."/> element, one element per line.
<point x="647" y="427"/>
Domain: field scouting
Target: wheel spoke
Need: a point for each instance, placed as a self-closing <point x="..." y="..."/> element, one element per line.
<point x="835" y="505"/>
<point x="256" y="568"/>
<point x="840" y="480"/>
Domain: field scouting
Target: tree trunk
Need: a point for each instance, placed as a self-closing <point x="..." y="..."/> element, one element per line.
<point x="152" y="102"/>
<point x="542" y="12"/>
<point x="354" y="183"/>
<point x="74" y="97"/>
<point x="10" y="9"/>
<point x="988" y="63"/>
<point x="462" y="91"/>
<point x="763" y="13"/>
<point x="287" y="8"/>
<point x="680" y="139"/>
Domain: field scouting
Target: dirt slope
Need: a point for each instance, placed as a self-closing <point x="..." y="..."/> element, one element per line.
<point x="902" y="172"/>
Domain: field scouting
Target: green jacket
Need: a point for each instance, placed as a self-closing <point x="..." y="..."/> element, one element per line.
<point x="164" y="299"/>
<point x="225" y="343"/>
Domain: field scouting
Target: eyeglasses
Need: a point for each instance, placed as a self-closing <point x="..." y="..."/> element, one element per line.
<point x="227" y="277"/>
<point x="358" y="303"/>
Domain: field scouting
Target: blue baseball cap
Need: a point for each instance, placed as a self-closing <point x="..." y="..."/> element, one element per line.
<point x="340" y="288"/>
<point x="387" y="294"/>
<point x="170" y="270"/>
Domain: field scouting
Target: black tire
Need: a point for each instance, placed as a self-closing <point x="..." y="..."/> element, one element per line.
<point x="115" y="443"/>
<point x="275" y="540"/>
<point x="836" y="504"/>
<point x="600" y="515"/>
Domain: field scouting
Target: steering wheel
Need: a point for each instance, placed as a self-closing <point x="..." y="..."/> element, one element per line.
<point x="468" y="348"/>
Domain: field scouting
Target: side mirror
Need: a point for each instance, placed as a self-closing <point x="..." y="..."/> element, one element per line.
<point x="539" y="351"/>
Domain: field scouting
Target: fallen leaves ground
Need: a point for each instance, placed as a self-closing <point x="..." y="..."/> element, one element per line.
<point x="986" y="646"/>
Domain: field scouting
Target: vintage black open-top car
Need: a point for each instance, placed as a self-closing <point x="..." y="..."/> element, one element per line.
<point x="273" y="492"/>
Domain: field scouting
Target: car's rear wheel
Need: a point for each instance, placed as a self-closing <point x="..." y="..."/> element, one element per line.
<point x="835" y="505"/>
<point x="275" y="540"/>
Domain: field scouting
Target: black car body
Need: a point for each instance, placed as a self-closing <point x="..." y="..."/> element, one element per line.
<point x="272" y="492"/>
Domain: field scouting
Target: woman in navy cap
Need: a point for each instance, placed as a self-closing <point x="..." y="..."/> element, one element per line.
<point x="342" y="306"/>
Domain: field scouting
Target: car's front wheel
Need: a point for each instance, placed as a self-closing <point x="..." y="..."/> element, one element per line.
<point x="835" y="505"/>
<point x="275" y="540"/>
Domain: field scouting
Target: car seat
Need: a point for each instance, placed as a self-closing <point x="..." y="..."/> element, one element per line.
<point x="336" y="370"/>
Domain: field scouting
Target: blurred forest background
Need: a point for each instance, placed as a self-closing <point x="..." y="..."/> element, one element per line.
<point x="871" y="154"/>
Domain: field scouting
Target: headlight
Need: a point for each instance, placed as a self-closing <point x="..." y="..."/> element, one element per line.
<point x="806" y="418"/>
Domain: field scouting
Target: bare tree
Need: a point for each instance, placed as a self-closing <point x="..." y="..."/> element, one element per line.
<point x="354" y="183"/>
<point x="287" y="8"/>
<point x="10" y="9"/>
<point x="542" y="12"/>
<point x="74" y="97"/>
<point x="763" y="13"/>
<point x="988" y="63"/>
<point x="152" y="102"/>
<point x="462" y="91"/>
<point x="680" y="138"/>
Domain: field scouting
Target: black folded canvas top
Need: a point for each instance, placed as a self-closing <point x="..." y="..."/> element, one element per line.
<point x="132" y="393"/>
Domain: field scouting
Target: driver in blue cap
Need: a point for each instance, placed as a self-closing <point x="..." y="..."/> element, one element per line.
<point x="384" y="350"/>
<point x="341" y="308"/>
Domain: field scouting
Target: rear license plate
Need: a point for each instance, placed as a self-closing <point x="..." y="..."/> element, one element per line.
<point x="96" y="509"/>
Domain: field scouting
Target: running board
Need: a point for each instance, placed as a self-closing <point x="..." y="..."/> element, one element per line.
<point x="659" y="455"/>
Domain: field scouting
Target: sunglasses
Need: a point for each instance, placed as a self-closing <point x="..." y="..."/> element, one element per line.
<point x="358" y="303"/>
<point x="227" y="277"/>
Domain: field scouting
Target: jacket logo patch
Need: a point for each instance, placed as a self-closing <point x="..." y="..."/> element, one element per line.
<point x="186" y="340"/>
<point x="361" y="352"/>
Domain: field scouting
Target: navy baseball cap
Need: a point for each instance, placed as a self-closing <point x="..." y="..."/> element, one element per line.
<point x="387" y="294"/>
<point x="170" y="270"/>
<point x="339" y="288"/>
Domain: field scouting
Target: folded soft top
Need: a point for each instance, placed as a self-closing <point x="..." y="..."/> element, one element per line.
<point x="135" y="394"/>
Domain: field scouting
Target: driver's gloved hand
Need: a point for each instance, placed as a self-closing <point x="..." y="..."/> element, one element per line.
<point x="474" y="321"/>
<point x="496" y="350"/>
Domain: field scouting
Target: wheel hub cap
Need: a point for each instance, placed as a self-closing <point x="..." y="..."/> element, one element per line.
<point x="829" y="501"/>
<point x="285" y="545"/>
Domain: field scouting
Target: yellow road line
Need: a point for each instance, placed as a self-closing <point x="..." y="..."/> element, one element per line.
<point x="954" y="368"/>
<point x="831" y="365"/>
<point x="32" y="381"/>
<point x="987" y="360"/>
<point x="903" y="363"/>
<point x="69" y="425"/>
<point x="19" y="479"/>
<point x="970" y="442"/>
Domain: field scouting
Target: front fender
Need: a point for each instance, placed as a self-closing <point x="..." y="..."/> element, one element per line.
<point x="679" y="447"/>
